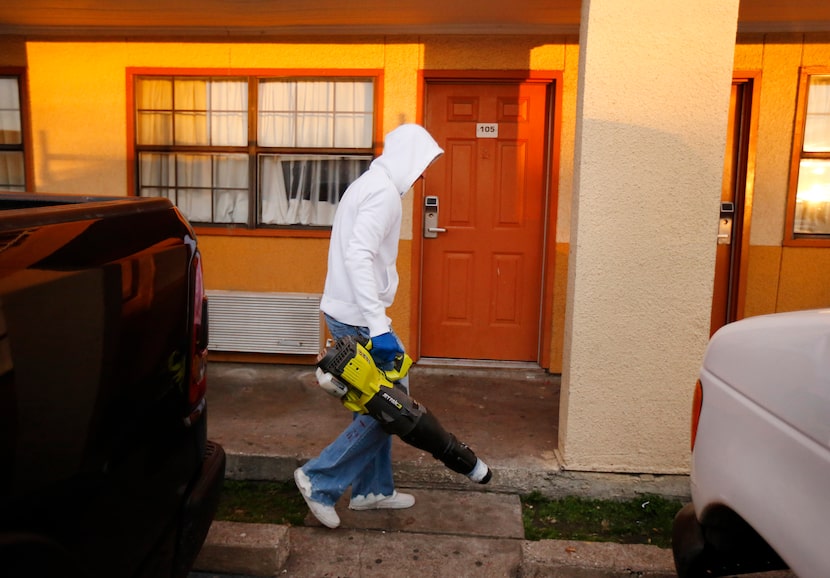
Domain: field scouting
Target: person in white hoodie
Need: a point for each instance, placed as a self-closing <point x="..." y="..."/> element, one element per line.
<point x="360" y="284"/>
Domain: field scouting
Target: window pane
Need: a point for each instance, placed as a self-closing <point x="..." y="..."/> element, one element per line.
<point x="194" y="204"/>
<point x="353" y="123"/>
<point x="156" y="171"/>
<point x="154" y="103"/>
<point x="191" y="128"/>
<point x="229" y="113"/>
<point x="10" y="132"/>
<point x="817" y="124"/>
<point x="315" y="96"/>
<point x="211" y="112"/>
<point x="305" y="189"/>
<point x="190" y="120"/>
<point x="154" y="128"/>
<point x="193" y="171"/>
<point x="276" y="113"/>
<point x="10" y="119"/>
<point x="812" y="204"/>
<point x="315" y="127"/>
<point x="9" y="94"/>
<point x="206" y="187"/>
<point x="354" y="96"/>
<point x="154" y="94"/>
<point x="191" y="94"/>
<point x="276" y="129"/>
<point x="315" y="130"/>
<point x="230" y="188"/>
<point x="12" y="173"/>
<point x="316" y="114"/>
<point x="353" y="131"/>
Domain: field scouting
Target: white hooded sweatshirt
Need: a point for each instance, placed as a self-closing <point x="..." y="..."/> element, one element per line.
<point x="362" y="279"/>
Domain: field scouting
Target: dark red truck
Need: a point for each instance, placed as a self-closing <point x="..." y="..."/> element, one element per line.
<point x="105" y="465"/>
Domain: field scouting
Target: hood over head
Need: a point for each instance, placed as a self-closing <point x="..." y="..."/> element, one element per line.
<point x="407" y="152"/>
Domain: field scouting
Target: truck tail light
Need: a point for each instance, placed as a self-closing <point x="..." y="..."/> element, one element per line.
<point x="697" y="403"/>
<point x="199" y="337"/>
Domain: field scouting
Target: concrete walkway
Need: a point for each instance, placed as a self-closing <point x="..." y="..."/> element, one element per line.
<point x="272" y="418"/>
<point x="446" y="534"/>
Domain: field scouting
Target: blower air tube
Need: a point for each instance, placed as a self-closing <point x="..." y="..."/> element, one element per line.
<point x="401" y="415"/>
<point x="347" y="369"/>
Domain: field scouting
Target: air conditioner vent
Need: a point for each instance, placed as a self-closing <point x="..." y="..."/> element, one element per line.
<point x="259" y="322"/>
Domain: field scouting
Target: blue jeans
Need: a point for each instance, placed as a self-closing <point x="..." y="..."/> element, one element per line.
<point x="361" y="456"/>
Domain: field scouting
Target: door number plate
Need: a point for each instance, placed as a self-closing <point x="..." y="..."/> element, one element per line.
<point x="487" y="130"/>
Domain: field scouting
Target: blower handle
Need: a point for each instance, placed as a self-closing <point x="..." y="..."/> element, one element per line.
<point x="402" y="362"/>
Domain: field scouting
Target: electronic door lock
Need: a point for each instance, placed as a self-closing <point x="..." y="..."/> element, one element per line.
<point x="727" y="212"/>
<point x="431" y="228"/>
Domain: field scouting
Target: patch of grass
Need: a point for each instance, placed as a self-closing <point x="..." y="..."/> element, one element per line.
<point x="261" y="503"/>
<point x="645" y="520"/>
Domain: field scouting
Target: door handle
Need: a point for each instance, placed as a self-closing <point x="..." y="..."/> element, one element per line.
<point x="436" y="230"/>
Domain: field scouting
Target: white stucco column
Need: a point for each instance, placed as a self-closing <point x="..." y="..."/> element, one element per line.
<point x="654" y="84"/>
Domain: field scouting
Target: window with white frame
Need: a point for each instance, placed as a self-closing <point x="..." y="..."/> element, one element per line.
<point x="254" y="151"/>
<point x="12" y="157"/>
<point x="811" y="165"/>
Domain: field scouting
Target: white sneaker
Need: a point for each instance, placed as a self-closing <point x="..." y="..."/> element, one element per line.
<point x="396" y="501"/>
<point x="326" y="514"/>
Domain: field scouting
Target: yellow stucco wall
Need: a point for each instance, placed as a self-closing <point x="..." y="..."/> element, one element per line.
<point x="79" y="119"/>
<point x="780" y="278"/>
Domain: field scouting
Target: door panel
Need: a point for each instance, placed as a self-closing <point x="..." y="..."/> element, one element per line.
<point x="482" y="277"/>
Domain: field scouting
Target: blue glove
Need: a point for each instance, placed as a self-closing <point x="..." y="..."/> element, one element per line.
<point x="385" y="347"/>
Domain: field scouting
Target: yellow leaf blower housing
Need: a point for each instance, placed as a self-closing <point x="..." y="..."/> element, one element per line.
<point x="347" y="371"/>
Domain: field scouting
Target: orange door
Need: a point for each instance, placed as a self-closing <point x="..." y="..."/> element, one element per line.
<point x="482" y="272"/>
<point x="727" y="285"/>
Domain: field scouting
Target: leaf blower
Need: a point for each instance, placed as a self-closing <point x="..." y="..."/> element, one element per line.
<point x="347" y="371"/>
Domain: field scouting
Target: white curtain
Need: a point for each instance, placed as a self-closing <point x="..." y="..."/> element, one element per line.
<point x="315" y="107"/>
<point x="812" y="207"/>
<point x="353" y="122"/>
<point x="231" y="194"/>
<point x="12" y="168"/>
<point x="305" y="190"/>
<point x="297" y="189"/>
<point x="154" y="117"/>
<point x="275" y="122"/>
<point x="817" y="127"/>
<point x="315" y="114"/>
<point x="157" y="175"/>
